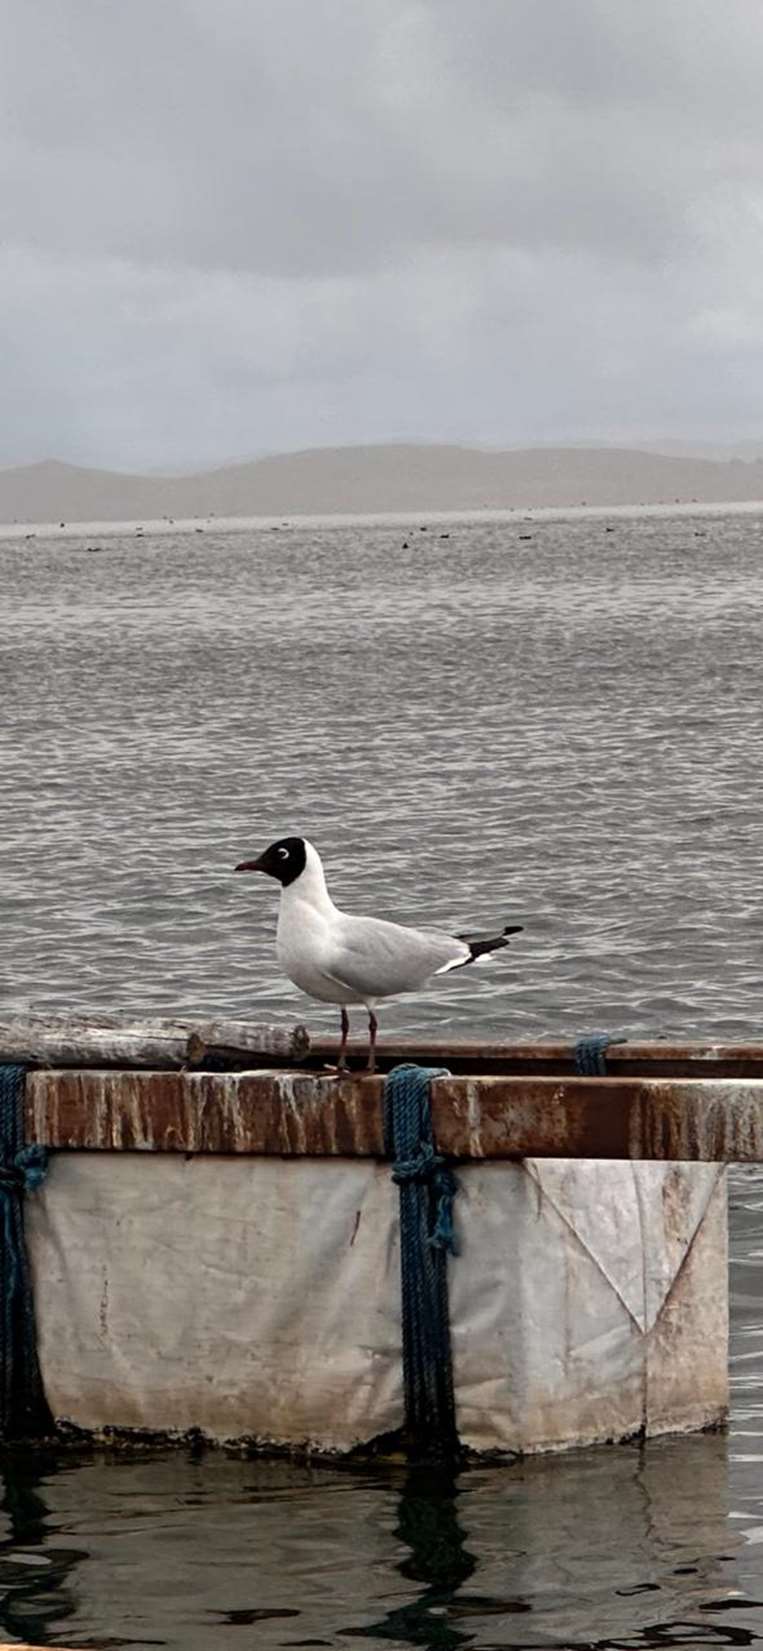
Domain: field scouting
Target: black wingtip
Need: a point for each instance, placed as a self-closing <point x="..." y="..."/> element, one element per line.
<point x="514" y="928"/>
<point x="480" y="945"/>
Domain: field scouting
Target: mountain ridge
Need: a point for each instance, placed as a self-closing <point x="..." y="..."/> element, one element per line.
<point x="371" y="479"/>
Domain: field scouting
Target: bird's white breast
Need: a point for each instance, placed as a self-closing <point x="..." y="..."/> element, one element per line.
<point x="303" y="944"/>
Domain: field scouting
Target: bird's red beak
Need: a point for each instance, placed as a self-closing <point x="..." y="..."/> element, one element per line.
<point x="249" y="865"/>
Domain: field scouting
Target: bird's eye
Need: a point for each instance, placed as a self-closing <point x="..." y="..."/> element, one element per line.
<point x="283" y="853"/>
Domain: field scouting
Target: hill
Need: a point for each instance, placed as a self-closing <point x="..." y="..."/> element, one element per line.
<point x="365" y="480"/>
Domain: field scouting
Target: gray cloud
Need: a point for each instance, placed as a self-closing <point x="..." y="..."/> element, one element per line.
<point x="232" y="227"/>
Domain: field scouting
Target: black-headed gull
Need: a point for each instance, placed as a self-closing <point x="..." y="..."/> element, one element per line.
<point x="342" y="959"/>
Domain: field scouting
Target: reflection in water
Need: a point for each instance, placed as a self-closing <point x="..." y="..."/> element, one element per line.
<point x="437" y="1557"/>
<point x="33" y="1574"/>
<point x="621" y="1549"/>
<point x="625" y="1545"/>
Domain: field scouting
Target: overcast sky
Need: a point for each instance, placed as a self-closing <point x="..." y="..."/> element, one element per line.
<point x="237" y="226"/>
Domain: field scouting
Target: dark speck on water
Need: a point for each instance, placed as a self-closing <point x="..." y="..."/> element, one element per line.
<point x="566" y="734"/>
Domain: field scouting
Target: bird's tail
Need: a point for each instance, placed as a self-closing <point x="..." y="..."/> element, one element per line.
<point x="480" y="944"/>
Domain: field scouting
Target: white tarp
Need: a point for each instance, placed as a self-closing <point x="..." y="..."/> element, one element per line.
<point x="260" y="1297"/>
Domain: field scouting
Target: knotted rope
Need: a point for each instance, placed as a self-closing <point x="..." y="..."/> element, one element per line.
<point x="590" y="1053"/>
<point x="427" y="1189"/>
<point x="24" y="1411"/>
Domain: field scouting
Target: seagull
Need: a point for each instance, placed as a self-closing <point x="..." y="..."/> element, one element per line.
<point x="339" y="958"/>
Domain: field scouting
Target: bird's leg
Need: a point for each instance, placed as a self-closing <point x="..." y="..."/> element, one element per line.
<point x="373" y="1027"/>
<point x="342" y="1061"/>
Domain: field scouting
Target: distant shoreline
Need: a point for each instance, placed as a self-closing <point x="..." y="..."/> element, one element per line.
<point x="401" y="483"/>
<point x="182" y="528"/>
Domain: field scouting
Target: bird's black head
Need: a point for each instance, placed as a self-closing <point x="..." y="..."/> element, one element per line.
<point x="284" y="860"/>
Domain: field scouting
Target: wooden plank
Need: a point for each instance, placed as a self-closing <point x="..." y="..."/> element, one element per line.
<point x="114" y="1040"/>
<point x="126" y="1042"/>
<point x="293" y="1114"/>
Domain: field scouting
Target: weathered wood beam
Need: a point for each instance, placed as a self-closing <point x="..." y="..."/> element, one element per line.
<point x="114" y="1040"/>
<point x="295" y="1114"/>
<point x="125" y="1041"/>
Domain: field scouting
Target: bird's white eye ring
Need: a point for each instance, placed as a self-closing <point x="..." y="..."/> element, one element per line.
<point x="284" y="853"/>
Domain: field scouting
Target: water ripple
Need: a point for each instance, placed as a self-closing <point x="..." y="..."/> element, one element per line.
<point x="564" y="731"/>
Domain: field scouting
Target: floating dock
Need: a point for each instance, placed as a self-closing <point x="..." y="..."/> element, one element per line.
<point x="216" y="1246"/>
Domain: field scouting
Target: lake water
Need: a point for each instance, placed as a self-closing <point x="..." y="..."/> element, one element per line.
<point x="551" y="721"/>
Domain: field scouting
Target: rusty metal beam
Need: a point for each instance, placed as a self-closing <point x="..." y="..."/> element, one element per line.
<point x="288" y="1113"/>
<point x="295" y="1114"/>
<point x="552" y="1057"/>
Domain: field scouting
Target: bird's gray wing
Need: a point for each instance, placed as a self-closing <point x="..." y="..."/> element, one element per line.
<point x="378" y="959"/>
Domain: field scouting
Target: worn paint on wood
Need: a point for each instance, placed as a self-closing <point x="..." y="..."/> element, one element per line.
<point x="296" y="1114"/>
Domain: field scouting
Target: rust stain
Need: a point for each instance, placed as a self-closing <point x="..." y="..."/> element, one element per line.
<point x="709" y="1121"/>
<point x="103" y="1309"/>
<point x="676" y="1205"/>
<point x="287" y="1113"/>
<point x="298" y="1114"/>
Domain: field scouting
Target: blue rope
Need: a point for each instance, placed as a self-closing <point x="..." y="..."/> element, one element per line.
<point x="427" y="1189"/>
<point x="24" y="1411"/>
<point x="590" y="1054"/>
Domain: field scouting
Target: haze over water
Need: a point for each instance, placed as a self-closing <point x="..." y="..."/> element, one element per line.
<point x="555" y="722"/>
